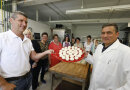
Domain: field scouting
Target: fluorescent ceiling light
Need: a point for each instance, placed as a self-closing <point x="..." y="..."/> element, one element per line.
<point x="72" y="21"/>
<point x="99" y="9"/>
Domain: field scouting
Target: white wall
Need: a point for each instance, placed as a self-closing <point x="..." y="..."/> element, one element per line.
<point x="91" y="29"/>
<point x="84" y="30"/>
<point x="39" y="27"/>
<point x="121" y="34"/>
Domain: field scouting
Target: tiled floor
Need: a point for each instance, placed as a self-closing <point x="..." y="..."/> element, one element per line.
<point x="47" y="86"/>
<point x="58" y="84"/>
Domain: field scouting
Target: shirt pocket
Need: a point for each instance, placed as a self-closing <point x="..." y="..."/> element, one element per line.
<point x="111" y="68"/>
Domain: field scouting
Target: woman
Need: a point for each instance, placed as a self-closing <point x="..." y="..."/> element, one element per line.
<point x="72" y="41"/>
<point x="94" y="46"/>
<point x="56" y="46"/>
<point x="44" y="63"/>
<point x="88" y="44"/>
<point x="66" y="42"/>
<point x="78" y="44"/>
<point x="35" y="67"/>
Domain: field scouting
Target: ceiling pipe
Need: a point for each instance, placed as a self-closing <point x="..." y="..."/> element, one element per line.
<point x="36" y="2"/>
<point x="14" y="5"/>
<point x="99" y="9"/>
<point x="81" y="21"/>
<point x="37" y="15"/>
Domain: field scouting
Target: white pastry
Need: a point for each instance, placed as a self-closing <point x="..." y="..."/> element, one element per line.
<point x="76" y="48"/>
<point x="63" y="57"/>
<point x="67" y="55"/>
<point x="67" y="52"/>
<point x="67" y="59"/>
<point x="72" y="47"/>
<point x="64" y="53"/>
<point x="75" y="53"/>
<point x="70" y="53"/>
<point x="60" y="52"/>
<point x="79" y="55"/>
<point x="65" y="48"/>
<point x="71" y="58"/>
<point x="60" y="55"/>
<point x="69" y="47"/>
<point x="76" y="57"/>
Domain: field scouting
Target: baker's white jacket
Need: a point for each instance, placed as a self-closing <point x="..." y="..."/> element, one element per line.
<point x="111" y="68"/>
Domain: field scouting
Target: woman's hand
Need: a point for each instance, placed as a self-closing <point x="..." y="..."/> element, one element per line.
<point x="34" y="65"/>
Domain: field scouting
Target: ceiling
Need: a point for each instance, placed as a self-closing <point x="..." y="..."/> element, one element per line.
<point x="55" y="10"/>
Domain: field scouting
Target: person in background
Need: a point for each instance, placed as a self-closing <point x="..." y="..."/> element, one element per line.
<point x="78" y="44"/>
<point x="94" y="46"/>
<point x="72" y="41"/>
<point x="35" y="66"/>
<point x="15" y="50"/>
<point x="111" y="62"/>
<point x="88" y="44"/>
<point x="66" y="42"/>
<point x="56" y="46"/>
<point x="44" y="63"/>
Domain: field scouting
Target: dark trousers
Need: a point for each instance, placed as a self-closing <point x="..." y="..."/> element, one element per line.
<point x="44" y="64"/>
<point x="41" y="65"/>
<point x="22" y="83"/>
<point x="35" y="74"/>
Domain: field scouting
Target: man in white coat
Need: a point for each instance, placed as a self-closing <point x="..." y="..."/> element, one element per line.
<point x="111" y="62"/>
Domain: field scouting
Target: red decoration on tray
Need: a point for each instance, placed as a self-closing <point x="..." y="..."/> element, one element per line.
<point x="75" y="60"/>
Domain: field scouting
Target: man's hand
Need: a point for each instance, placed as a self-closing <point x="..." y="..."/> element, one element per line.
<point x="86" y="54"/>
<point x="49" y="51"/>
<point x="8" y="86"/>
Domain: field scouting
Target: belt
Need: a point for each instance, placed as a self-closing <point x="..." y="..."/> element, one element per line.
<point x="17" y="78"/>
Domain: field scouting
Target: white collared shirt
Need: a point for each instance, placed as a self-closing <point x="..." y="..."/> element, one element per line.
<point x="14" y="55"/>
<point x="88" y="46"/>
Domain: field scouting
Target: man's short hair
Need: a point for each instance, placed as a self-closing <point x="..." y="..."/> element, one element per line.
<point x="45" y="33"/>
<point x="14" y="14"/>
<point x="111" y="24"/>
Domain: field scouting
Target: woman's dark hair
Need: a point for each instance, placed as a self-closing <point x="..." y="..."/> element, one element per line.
<point x="89" y="36"/>
<point x="65" y="39"/>
<point x="77" y="39"/>
<point x="72" y="38"/>
<point x="45" y="33"/>
<point x="55" y="35"/>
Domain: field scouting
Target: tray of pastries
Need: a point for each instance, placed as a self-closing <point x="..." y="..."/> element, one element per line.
<point x="70" y="54"/>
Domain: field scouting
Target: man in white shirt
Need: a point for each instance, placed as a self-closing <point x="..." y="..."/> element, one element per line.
<point x="15" y="50"/>
<point x="111" y="62"/>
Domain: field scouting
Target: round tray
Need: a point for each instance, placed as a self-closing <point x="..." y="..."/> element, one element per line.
<point x="59" y="58"/>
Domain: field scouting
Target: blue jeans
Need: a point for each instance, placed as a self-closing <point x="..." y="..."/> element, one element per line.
<point x="23" y="84"/>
